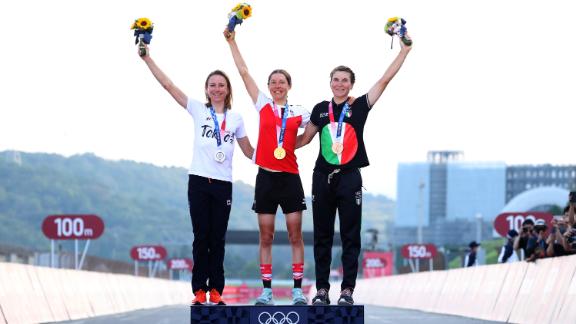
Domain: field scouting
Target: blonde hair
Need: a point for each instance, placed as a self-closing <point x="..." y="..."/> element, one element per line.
<point x="228" y="99"/>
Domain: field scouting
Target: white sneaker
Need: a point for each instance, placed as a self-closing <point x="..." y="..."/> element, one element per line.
<point x="298" y="297"/>
<point x="265" y="298"/>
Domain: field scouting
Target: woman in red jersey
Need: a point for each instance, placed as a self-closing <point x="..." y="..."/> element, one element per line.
<point x="278" y="181"/>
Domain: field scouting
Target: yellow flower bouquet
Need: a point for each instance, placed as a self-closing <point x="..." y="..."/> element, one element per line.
<point x="240" y="12"/>
<point x="143" y="28"/>
<point x="397" y="26"/>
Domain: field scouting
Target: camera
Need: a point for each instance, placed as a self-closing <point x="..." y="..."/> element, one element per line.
<point x="572" y="197"/>
<point x="539" y="229"/>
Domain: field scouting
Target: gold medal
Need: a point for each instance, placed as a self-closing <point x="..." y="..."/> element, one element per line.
<point x="337" y="147"/>
<point x="279" y="153"/>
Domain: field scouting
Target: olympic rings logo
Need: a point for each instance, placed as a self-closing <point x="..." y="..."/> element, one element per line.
<point x="278" y="318"/>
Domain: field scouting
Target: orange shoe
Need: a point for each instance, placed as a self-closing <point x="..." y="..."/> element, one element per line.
<point x="199" y="297"/>
<point x="216" y="298"/>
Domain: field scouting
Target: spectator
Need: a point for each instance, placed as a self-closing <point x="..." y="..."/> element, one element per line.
<point x="470" y="259"/>
<point x="570" y="234"/>
<point x="569" y="210"/>
<point x="507" y="253"/>
<point x="537" y="244"/>
<point x="521" y="241"/>
<point x="557" y="243"/>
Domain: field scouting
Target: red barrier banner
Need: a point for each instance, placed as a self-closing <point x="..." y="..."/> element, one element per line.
<point x="377" y="264"/>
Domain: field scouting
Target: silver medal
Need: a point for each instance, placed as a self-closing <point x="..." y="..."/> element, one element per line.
<point x="219" y="156"/>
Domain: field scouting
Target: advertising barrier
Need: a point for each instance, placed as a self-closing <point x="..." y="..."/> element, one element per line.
<point x="65" y="294"/>
<point x="520" y="292"/>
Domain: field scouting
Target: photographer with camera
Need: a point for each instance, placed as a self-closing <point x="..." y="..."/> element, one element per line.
<point x="537" y="245"/>
<point x="556" y="240"/>
<point x="521" y="241"/>
<point x="570" y="209"/>
<point x="570" y="234"/>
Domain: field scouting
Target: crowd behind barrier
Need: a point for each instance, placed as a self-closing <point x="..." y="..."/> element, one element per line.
<point x="538" y="240"/>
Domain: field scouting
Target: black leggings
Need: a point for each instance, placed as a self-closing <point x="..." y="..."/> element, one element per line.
<point x="210" y="202"/>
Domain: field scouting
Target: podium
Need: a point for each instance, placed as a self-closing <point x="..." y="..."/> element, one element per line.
<point x="282" y="314"/>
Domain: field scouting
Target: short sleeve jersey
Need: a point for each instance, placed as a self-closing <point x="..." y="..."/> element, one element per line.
<point x="204" y="163"/>
<point x="269" y="130"/>
<point x="353" y="154"/>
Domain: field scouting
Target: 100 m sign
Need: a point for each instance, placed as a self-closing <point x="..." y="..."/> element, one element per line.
<point x="73" y="227"/>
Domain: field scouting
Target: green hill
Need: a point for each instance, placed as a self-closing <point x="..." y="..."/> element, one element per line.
<point x="140" y="203"/>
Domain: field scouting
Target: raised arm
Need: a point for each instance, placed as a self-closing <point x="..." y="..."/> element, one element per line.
<point x="249" y="82"/>
<point x="560" y="239"/>
<point x="166" y="83"/>
<point x="378" y="88"/>
<point x="305" y="138"/>
<point x="550" y="243"/>
<point x="565" y="236"/>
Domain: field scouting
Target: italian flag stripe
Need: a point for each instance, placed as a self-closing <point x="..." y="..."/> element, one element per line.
<point x="326" y="146"/>
<point x="350" y="145"/>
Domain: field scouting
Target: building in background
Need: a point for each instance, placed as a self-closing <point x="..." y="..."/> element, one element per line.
<point x="454" y="201"/>
<point x="520" y="178"/>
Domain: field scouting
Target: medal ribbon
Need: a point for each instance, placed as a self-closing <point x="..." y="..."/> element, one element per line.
<point x="340" y="119"/>
<point x="217" y="132"/>
<point x="283" y="128"/>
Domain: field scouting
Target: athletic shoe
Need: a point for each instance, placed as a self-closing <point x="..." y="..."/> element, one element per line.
<point x="321" y="297"/>
<point x="199" y="297"/>
<point x="346" y="297"/>
<point x="298" y="297"/>
<point x="216" y="298"/>
<point x="265" y="298"/>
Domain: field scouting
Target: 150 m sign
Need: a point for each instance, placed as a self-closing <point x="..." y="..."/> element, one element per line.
<point x="419" y="251"/>
<point x="73" y="227"/>
<point x="148" y="253"/>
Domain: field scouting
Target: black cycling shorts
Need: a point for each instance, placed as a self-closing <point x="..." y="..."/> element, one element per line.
<point x="278" y="188"/>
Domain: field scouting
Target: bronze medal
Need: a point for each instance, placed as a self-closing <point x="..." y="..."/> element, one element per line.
<point x="337" y="147"/>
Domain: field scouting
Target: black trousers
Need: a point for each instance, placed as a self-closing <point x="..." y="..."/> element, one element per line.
<point x="340" y="191"/>
<point x="210" y="202"/>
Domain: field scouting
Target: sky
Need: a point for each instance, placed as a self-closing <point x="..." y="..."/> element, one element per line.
<point x="494" y="79"/>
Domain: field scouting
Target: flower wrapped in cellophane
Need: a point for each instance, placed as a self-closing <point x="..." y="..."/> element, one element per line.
<point x="238" y="14"/>
<point x="143" y="28"/>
